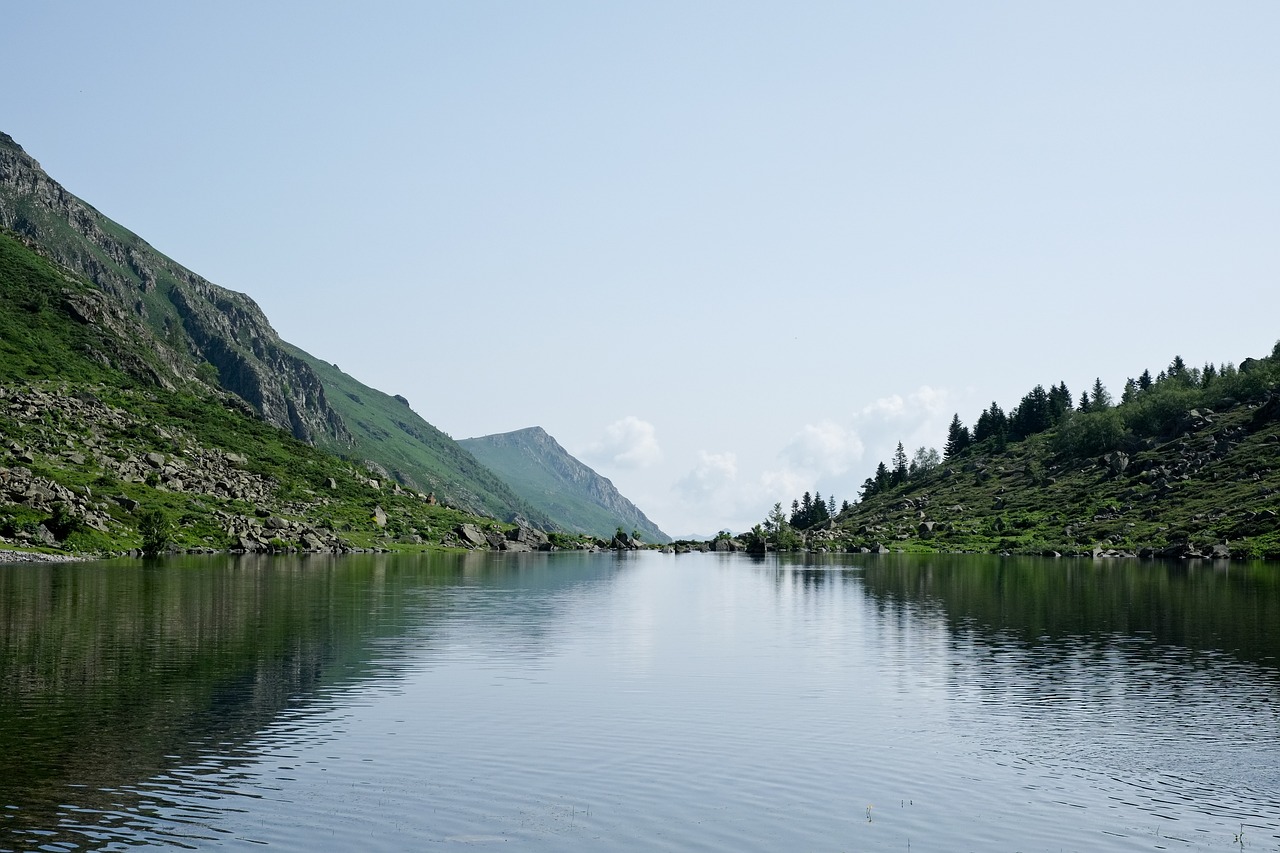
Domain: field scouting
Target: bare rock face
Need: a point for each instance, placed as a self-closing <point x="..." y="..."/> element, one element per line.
<point x="191" y="321"/>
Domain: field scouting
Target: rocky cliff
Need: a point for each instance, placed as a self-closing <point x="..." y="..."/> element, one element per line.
<point x="193" y="322"/>
<point x="545" y="475"/>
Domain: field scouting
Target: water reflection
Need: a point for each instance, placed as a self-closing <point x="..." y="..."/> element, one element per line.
<point x="703" y="701"/>
<point x="116" y="673"/>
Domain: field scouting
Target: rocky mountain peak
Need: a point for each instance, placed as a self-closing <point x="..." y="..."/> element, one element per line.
<point x="193" y="321"/>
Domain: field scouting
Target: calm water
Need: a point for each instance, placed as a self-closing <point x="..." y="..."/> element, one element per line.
<point x="642" y="702"/>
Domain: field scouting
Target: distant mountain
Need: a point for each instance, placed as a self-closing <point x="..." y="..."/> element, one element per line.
<point x="391" y="435"/>
<point x="543" y="473"/>
<point x="194" y="333"/>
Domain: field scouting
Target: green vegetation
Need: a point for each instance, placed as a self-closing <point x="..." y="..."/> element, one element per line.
<point x="1186" y="464"/>
<point x="99" y="458"/>
<point x="404" y="447"/>
<point x="549" y="479"/>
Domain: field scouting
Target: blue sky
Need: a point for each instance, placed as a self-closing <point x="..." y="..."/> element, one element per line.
<point x="724" y="252"/>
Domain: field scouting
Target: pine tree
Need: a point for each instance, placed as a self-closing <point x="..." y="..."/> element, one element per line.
<point x="958" y="438"/>
<point x="1144" y="381"/>
<point x="1101" y="399"/>
<point x="883" y="480"/>
<point x="991" y="423"/>
<point x="899" y="465"/>
<point x="1130" y="392"/>
<point x="1059" y="401"/>
<point x="1208" y="375"/>
<point x="1084" y="401"/>
<point x="868" y="488"/>
<point x="831" y="505"/>
<point x="1032" y="415"/>
<point x="844" y="505"/>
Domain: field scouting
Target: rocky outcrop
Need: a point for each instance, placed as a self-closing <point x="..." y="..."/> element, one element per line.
<point x="76" y="430"/>
<point x="190" y="321"/>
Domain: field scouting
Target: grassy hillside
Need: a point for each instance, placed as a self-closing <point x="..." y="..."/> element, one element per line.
<point x="414" y="453"/>
<point x="1187" y="466"/>
<point x="92" y="449"/>
<point x="546" y="476"/>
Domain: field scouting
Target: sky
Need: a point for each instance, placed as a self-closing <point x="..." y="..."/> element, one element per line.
<point x="724" y="252"/>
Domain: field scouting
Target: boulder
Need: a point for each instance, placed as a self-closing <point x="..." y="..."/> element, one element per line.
<point x="379" y="516"/>
<point x="526" y="535"/>
<point x="1117" y="461"/>
<point x="471" y="535"/>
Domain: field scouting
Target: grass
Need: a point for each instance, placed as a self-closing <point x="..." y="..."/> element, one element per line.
<point x="84" y="369"/>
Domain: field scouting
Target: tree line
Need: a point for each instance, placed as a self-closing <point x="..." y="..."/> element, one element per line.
<point x="1095" y="423"/>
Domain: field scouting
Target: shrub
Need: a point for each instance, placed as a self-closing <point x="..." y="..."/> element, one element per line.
<point x="1091" y="433"/>
<point x="155" y="529"/>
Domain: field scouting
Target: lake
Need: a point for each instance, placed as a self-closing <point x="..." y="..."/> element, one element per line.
<point x="640" y="701"/>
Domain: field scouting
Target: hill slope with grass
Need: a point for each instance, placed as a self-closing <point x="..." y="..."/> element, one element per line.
<point x="196" y="332"/>
<point x="391" y="436"/>
<point x="97" y="458"/>
<point x="546" y="476"/>
<point x="1186" y="465"/>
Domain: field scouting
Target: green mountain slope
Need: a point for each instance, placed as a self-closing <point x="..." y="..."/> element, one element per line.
<point x="92" y="447"/>
<point x="547" y="477"/>
<point x="1188" y="466"/>
<point x="197" y="332"/>
<point x="411" y="451"/>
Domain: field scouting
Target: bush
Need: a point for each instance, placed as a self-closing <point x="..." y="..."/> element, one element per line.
<point x="1084" y="434"/>
<point x="155" y="529"/>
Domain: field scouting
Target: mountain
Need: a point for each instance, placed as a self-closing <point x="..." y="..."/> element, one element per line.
<point x="100" y="456"/>
<point x="394" y="438"/>
<point x="191" y="321"/>
<point x="198" y="332"/>
<point x="1186" y="465"/>
<point x="544" y="474"/>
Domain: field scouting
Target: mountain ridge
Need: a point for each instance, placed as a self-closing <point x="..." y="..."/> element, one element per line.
<point x="199" y="333"/>
<point x="547" y="476"/>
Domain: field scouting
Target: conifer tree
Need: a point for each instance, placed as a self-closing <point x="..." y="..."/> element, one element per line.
<point x="991" y="423"/>
<point x="1084" y="401"/>
<point x="868" y="488"/>
<point x="1208" y="375"/>
<point x="1144" y="381"/>
<point x="958" y="438"/>
<point x="1130" y="392"/>
<point x="899" y="465"/>
<point x="1059" y="401"/>
<point x="883" y="480"/>
<point x="1101" y="399"/>
<point x="1032" y="415"/>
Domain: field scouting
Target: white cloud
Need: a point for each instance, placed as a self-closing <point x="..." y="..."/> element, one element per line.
<point x="628" y="443"/>
<point x="829" y="455"/>
<point x="712" y="477"/>
<point x="823" y="448"/>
